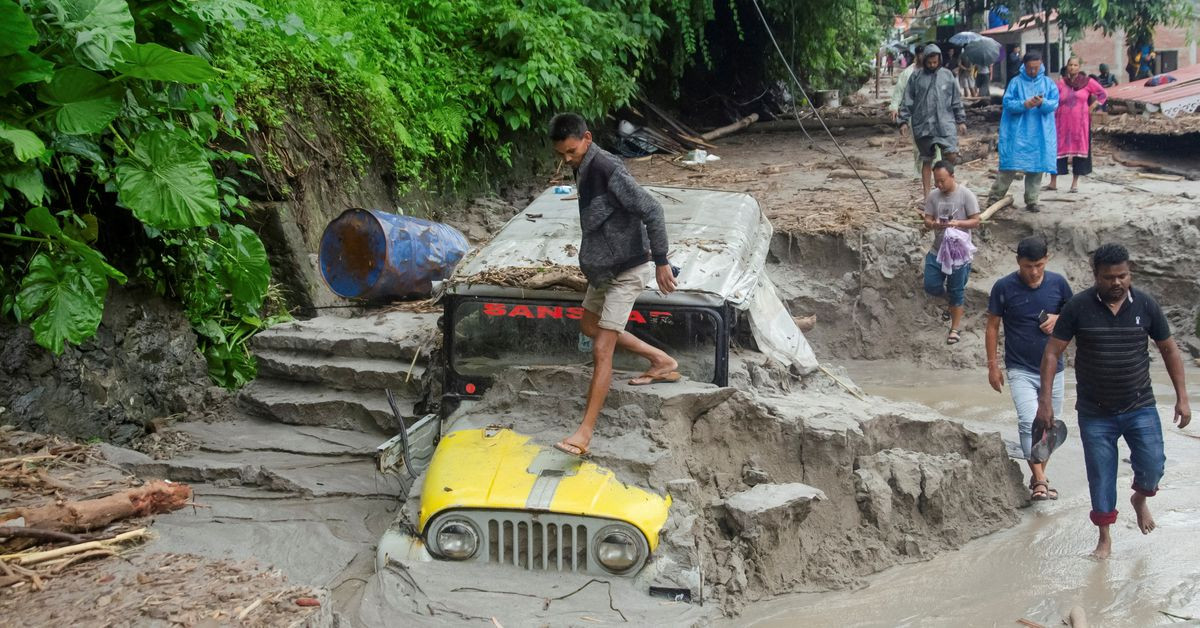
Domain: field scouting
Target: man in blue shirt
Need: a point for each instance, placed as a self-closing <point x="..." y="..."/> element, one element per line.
<point x="1028" y="302"/>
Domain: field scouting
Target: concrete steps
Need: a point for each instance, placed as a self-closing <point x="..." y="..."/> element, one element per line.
<point x="332" y="372"/>
<point x="304" y="403"/>
<point x="342" y="373"/>
<point x="395" y="335"/>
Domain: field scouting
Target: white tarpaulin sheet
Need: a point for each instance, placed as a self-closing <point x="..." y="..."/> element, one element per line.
<point x="718" y="239"/>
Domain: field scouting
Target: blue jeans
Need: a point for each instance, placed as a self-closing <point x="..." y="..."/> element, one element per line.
<point x="1142" y="429"/>
<point x="937" y="283"/>
<point x="1024" y="386"/>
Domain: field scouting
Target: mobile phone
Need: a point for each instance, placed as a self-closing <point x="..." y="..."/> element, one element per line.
<point x="1043" y="317"/>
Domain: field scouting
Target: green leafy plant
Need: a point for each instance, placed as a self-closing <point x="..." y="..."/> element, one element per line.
<point x="106" y="149"/>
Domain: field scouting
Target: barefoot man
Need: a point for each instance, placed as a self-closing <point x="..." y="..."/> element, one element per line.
<point x="1111" y="322"/>
<point x="624" y="245"/>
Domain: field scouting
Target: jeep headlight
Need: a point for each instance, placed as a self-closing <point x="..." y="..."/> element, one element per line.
<point x="617" y="549"/>
<point x="456" y="539"/>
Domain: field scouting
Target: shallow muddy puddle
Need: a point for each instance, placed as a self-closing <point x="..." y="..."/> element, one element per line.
<point x="1039" y="568"/>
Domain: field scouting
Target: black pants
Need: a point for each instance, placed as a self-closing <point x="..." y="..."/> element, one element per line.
<point x="1080" y="166"/>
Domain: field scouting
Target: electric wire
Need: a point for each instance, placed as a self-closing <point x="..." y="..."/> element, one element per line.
<point x="817" y="113"/>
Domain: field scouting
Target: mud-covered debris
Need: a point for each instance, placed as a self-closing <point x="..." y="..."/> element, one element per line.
<point x="777" y="506"/>
<point x="165" y="590"/>
<point x="546" y="276"/>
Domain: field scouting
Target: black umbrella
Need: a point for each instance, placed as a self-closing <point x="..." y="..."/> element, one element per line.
<point x="982" y="52"/>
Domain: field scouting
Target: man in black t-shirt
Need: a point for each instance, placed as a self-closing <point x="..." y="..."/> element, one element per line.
<point x="1111" y="323"/>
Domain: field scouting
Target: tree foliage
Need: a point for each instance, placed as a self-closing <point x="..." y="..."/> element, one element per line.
<point x="1136" y="18"/>
<point x="106" y="126"/>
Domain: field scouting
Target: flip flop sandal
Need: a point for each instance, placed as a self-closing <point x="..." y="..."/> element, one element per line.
<point x="667" y="378"/>
<point x="953" y="337"/>
<point x="1041" y="492"/>
<point x="571" y="450"/>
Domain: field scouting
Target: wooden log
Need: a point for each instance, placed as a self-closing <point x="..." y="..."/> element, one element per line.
<point x="730" y="129"/>
<point x="995" y="207"/>
<point x="1077" y="618"/>
<point x="89" y="514"/>
<point x="1160" y="177"/>
<point x="1152" y="167"/>
<point x="812" y="124"/>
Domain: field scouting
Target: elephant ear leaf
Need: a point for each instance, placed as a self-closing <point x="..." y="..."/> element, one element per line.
<point x="26" y="145"/>
<point x="244" y="268"/>
<point x="157" y="63"/>
<point x="168" y="182"/>
<point x="65" y="301"/>
<point x="83" y="102"/>
<point x="95" y="29"/>
<point x="16" y="29"/>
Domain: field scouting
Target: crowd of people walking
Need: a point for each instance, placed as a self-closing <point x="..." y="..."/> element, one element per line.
<point x="1045" y="128"/>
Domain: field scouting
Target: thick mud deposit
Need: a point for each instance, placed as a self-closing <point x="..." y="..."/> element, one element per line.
<point x="142" y="365"/>
<point x="886" y="483"/>
<point x="866" y="289"/>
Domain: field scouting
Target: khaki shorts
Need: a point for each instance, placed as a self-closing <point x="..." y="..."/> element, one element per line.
<point x="613" y="300"/>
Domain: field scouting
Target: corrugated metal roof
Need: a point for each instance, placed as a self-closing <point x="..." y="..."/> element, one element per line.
<point x="718" y="239"/>
<point x="1024" y="23"/>
<point x="1184" y="86"/>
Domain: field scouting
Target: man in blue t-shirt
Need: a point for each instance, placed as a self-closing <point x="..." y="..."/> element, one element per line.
<point x="1028" y="302"/>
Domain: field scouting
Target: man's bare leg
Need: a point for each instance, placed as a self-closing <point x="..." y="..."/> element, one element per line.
<point x="1075" y="183"/>
<point x="1038" y="469"/>
<point x="660" y="362"/>
<point x="926" y="179"/>
<point x="604" y="343"/>
<point x="1104" y="545"/>
<point x="1145" y="519"/>
<point x="1053" y="183"/>
<point x="956" y="315"/>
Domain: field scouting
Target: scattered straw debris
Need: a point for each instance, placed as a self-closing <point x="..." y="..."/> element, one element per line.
<point x="549" y="276"/>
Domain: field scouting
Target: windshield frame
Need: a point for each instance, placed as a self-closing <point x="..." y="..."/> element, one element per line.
<point x="457" y="386"/>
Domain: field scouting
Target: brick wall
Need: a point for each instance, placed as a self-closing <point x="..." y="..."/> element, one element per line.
<point x="1096" y="48"/>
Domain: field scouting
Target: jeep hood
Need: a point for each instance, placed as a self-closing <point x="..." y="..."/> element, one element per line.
<point x="498" y="469"/>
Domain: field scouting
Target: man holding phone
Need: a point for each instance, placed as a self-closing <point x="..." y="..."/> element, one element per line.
<point x="1028" y="141"/>
<point x="1027" y="302"/>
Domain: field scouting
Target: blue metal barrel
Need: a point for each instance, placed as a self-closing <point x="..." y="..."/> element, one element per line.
<point x="369" y="254"/>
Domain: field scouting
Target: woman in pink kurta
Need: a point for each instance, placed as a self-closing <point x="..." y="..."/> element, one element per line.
<point x="1079" y="95"/>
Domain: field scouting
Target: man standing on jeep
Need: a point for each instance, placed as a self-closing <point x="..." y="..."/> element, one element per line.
<point x="624" y="245"/>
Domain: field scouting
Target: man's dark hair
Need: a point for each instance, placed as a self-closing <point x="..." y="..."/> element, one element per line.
<point x="943" y="165"/>
<point x="1109" y="255"/>
<point x="920" y="49"/>
<point x="566" y="125"/>
<point x="1032" y="248"/>
<point x="1032" y="55"/>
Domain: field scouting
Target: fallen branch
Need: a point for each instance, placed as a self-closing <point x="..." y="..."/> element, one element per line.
<point x="155" y="497"/>
<point x="32" y="558"/>
<point x="38" y="533"/>
<point x="730" y="129"/>
<point x="995" y="207"/>
<point x="1077" y="618"/>
<point x="1030" y="624"/>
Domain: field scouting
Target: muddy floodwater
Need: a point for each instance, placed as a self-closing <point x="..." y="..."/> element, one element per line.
<point x="1040" y="568"/>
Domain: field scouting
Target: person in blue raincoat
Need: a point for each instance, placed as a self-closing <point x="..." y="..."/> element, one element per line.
<point x="1028" y="141"/>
